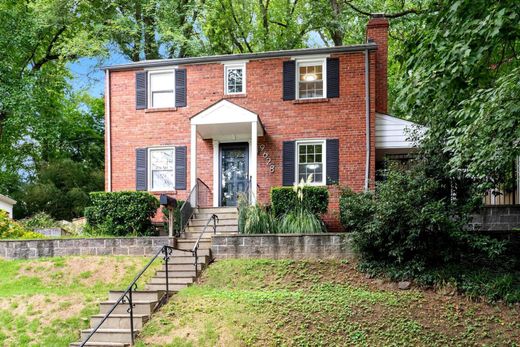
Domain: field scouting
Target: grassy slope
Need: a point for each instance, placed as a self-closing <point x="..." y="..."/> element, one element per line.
<point x="290" y="303"/>
<point x="45" y="302"/>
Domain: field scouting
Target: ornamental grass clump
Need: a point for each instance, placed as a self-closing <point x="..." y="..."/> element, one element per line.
<point x="301" y="219"/>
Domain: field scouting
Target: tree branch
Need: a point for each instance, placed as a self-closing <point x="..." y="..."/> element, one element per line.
<point x="49" y="56"/>
<point x="386" y="15"/>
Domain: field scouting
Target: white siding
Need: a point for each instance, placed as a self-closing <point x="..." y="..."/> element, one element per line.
<point x="6" y="204"/>
<point x="392" y="132"/>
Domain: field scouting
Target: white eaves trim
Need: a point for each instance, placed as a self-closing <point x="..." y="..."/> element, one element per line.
<point x="7" y="199"/>
<point x="393" y="132"/>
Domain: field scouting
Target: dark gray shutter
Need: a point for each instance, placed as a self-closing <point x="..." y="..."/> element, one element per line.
<point x="332" y="161"/>
<point x="288" y="159"/>
<point x="289" y="80"/>
<point x="332" y="78"/>
<point x="180" y="168"/>
<point x="180" y="88"/>
<point x="141" y="169"/>
<point x="140" y="90"/>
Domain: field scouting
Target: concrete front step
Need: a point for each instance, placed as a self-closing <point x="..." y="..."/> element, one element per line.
<point x="209" y="229"/>
<point x="160" y="282"/>
<point x="100" y="344"/>
<point x="215" y="210"/>
<point x="140" y="307"/>
<point x="182" y="267"/>
<point x="202" y="222"/>
<point x="137" y="295"/>
<point x="109" y="335"/>
<point x="221" y="216"/>
<point x="119" y="321"/>
<point x="188" y="260"/>
<point x="174" y="279"/>
<point x="177" y="273"/>
<point x="194" y="235"/>
<point x="200" y="253"/>
<point x="188" y="244"/>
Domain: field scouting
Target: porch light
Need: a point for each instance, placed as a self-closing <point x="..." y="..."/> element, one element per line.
<point x="310" y="77"/>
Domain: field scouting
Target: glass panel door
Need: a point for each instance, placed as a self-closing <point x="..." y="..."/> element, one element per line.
<point x="234" y="172"/>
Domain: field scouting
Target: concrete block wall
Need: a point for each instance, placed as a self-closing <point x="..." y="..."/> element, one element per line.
<point x="497" y="218"/>
<point x="281" y="246"/>
<point x="31" y="249"/>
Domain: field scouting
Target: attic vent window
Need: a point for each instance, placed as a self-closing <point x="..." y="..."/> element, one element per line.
<point x="311" y="79"/>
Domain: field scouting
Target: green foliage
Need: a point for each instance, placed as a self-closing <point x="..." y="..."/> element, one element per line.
<point x="9" y="229"/>
<point x="258" y="220"/>
<point x="284" y="199"/>
<point x="461" y="78"/>
<point x="300" y="221"/>
<point x="355" y="209"/>
<point x="122" y="213"/>
<point x="176" y="216"/>
<point x="39" y="220"/>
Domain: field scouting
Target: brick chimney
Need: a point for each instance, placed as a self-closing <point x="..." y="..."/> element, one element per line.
<point x="377" y="31"/>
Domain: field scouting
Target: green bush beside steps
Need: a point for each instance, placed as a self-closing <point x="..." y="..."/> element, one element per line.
<point x="121" y="213"/>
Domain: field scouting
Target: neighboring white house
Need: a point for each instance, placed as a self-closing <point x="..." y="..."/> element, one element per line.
<point x="6" y="204"/>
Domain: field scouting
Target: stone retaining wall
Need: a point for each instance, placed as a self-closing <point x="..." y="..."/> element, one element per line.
<point x="29" y="249"/>
<point x="282" y="246"/>
<point x="497" y="218"/>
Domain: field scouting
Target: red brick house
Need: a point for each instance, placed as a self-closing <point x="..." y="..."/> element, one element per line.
<point x="252" y="120"/>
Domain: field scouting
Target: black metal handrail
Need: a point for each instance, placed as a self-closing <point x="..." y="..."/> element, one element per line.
<point x="126" y="297"/>
<point x="195" y="248"/>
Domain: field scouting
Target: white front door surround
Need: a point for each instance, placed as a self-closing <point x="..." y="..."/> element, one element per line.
<point x="226" y="122"/>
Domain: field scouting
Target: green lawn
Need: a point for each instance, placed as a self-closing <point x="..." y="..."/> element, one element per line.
<point x="300" y="303"/>
<point x="45" y="302"/>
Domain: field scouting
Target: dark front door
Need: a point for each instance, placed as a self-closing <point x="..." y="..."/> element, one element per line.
<point x="234" y="172"/>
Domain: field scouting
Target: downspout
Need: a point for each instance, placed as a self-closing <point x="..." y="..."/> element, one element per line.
<point x="107" y="131"/>
<point x="367" y="121"/>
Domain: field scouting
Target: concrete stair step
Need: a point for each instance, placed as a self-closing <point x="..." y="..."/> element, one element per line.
<point x="109" y="335"/>
<point x="140" y="307"/>
<point x="173" y="278"/>
<point x="188" y="244"/>
<point x="201" y="253"/>
<point x="138" y="295"/>
<point x="119" y="321"/>
<point x="215" y="210"/>
<point x="188" y="260"/>
<point x="209" y="229"/>
<point x="182" y="267"/>
<point x="221" y="222"/>
<point x="100" y="344"/>
<point x="221" y="216"/>
<point x="173" y="288"/>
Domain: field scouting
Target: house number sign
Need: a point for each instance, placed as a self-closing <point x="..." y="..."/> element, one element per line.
<point x="267" y="158"/>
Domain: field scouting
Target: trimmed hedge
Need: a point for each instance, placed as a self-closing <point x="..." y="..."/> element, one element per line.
<point x="122" y="213"/>
<point x="284" y="199"/>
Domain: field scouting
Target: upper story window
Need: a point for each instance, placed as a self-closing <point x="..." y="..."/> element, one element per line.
<point x="161" y="169"/>
<point x="310" y="79"/>
<point x="311" y="160"/>
<point x="235" y="78"/>
<point x="161" y="89"/>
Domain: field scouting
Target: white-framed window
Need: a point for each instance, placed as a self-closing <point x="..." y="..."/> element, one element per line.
<point x="310" y="159"/>
<point x="161" y="168"/>
<point x="161" y="89"/>
<point x="235" y="78"/>
<point x="311" y="79"/>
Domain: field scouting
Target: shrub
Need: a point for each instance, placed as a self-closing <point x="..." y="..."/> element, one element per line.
<point x="284" y="199"/>
<point x="39" y="221"/>
<point x="122" y="213"/>
<point x="300" y="221"/>
<point x="9" y="229"/>
<point x="355" y="209"/>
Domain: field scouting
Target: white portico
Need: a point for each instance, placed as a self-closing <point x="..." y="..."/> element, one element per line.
<point x="234" y="131"/>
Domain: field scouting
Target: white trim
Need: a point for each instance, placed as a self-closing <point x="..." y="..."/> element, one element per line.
<point x="311" y="62"/>
<point x="162" y="68"/>
<point x="310" y="57"/>
<point x="149" y="168"/>
<point x="193" y="156"/>
<point x="108" y="132"/>
<point x="216" y="178"/>
<point x="253" y="161"/>
<point x="235" y="65"/>
<point x="149" y="84"/>
<point x="7" y="199"/>
<point x="323" y="142"/>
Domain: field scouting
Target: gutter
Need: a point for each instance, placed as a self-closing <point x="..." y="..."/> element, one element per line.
<point x="108" y="132"/>
<point x="242" y="56"/>
<point x="367" y="120"/>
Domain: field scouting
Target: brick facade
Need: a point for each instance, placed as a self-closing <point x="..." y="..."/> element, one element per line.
<point x="342" y="118"/>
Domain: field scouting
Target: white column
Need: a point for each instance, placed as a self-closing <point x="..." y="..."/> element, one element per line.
<point x="193" y="156"/>
<point x="216" y="177"/>
<point x="254" y="154"/>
